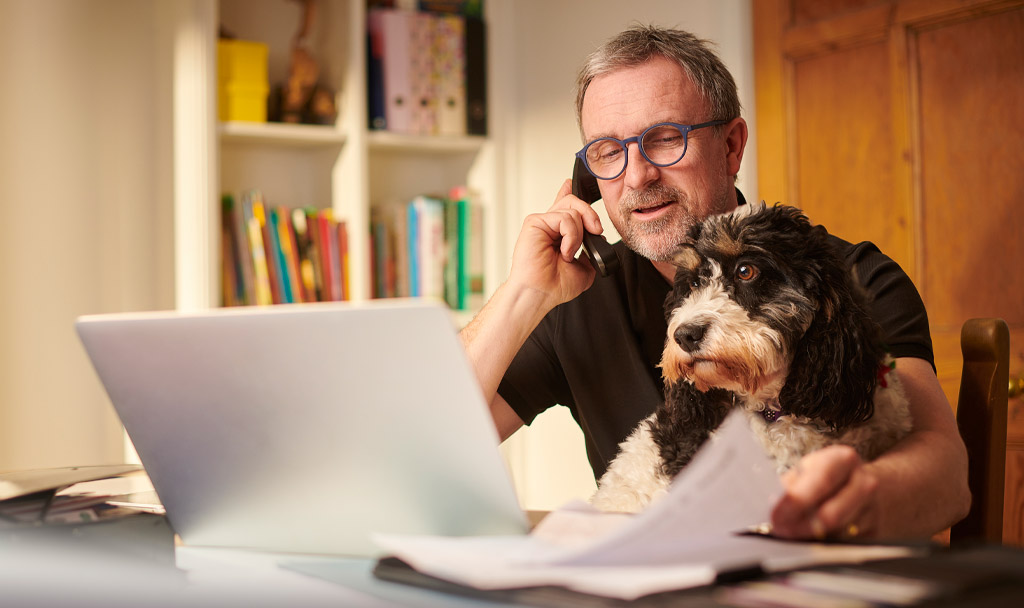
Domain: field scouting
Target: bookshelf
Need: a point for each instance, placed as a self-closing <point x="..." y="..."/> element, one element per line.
<point x="342" y="166"/>
<point x="279" y="134"/>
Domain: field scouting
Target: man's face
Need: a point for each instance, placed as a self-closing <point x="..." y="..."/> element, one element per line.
<point x="653" y="207"/>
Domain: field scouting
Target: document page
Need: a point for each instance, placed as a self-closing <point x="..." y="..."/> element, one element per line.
<point x="729" y="486"/>
<point x="684" y="539"/>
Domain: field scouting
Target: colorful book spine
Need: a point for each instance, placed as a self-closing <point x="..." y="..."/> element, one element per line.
<point x="381" y="256"/>
<point x="412" y="233"/>
<point x="334" y="254"/>
<point x="462" y="251"/>
<point x="470" y="249"/>
<point x="343" y="254"/>
<point x="234" y="218"/>
<point x="289" y="253"/>
<point x="298" y="255"/>
<point x="254" y="231"/>
<point x="305" y="255"/>
<point x="476" y="77"/>
<point x="277" y="251"/>
<point x="328" y="255"/>
<point x="451" y="256"/>
<point x="423" y="82"/>
<point x="313" y="226"/>
<point x="474" y="273"/>
<point x="375" y="96"/>
<point x="396" y="31"/>
<point x="269" y="247"/>
<point x="399" y="223"/>
<point x="450" y="74"/>
<point x="231" y="291"/>
<point x="430" y="249"/>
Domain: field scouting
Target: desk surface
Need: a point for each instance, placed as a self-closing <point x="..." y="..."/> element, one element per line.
<point x="52" y="574"/>
<point x="979" y="578"/>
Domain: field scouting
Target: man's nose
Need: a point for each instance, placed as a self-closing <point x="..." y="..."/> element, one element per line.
<point x="639" y="172"/>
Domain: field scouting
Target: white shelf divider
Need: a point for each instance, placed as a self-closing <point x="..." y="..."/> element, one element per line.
<point x="282" y="134"/>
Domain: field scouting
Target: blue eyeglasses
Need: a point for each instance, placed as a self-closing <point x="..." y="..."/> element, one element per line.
<point x="663" y="145"/>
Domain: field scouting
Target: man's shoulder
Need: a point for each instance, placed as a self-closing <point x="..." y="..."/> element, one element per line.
<point x="853" y="250"/>
<point x="865" y="256"/>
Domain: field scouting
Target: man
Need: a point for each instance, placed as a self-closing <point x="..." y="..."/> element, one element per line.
<point x="553" y="333"/>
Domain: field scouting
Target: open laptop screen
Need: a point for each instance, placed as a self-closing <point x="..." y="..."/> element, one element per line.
<point x="306" y="427"/>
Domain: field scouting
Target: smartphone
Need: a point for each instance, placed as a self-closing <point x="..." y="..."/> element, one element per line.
<point x="597" y="248"/>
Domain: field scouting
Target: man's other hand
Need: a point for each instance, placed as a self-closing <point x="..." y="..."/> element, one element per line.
<point x="831" y="493"/>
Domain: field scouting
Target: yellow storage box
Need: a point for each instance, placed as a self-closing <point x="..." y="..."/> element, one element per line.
<point x="239" y="101"/>
<point x="242" y="82"/>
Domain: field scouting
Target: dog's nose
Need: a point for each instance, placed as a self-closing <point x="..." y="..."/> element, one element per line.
<point x="688" y="336"/>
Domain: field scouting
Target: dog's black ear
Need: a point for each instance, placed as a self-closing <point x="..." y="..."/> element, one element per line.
<point x="834" y="372"/>
<point x="686" y="256"/>
<point x="687" y="263"/>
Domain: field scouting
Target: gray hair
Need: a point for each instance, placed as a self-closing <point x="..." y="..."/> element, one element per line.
<point x="640" y="43"/>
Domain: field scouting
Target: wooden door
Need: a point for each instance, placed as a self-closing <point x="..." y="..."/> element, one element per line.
<point x="902" y="122"/>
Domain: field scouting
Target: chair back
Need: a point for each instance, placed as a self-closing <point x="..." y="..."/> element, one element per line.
<point x="981" y="417"/>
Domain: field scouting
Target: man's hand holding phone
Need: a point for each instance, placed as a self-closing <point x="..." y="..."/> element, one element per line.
<point x="545" y="254"/>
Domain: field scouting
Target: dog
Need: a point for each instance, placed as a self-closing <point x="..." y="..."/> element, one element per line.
<point x="764" y="316"/>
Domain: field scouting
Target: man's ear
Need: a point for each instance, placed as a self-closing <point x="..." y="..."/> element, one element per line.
<point x="735" y="143"/>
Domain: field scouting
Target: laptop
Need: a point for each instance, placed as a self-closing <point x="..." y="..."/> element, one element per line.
<point x="308" y="427"/>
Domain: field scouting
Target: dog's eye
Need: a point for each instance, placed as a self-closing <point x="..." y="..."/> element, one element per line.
<point x="747" y="272"/>
<point x="694" y="283"/>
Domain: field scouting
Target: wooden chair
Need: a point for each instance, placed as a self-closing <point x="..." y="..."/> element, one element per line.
<point x="981" y="417"/>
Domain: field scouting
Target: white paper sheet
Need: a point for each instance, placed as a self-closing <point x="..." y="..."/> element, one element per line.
<point x="729" y="486"/>
<point x="683" y="540"/>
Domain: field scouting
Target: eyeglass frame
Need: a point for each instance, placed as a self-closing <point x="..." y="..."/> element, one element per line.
<point x="684" y="129"/>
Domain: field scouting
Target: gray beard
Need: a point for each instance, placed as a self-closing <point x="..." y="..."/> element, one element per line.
<point x="658" y="239"/>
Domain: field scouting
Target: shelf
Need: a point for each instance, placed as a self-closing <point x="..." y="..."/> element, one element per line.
<point x="299" y="135"/>
<point x="383" y="141"/>
<point x="279" y="133"/>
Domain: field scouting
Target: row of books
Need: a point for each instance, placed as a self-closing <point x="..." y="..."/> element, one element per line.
<point x="277" y="255"/>
<point x="430" y="247"/>
<point x="426" y="72"/>
<point x="469" y="8"/>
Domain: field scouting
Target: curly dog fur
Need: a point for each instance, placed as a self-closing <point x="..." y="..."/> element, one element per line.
<point x="764" y="316"/>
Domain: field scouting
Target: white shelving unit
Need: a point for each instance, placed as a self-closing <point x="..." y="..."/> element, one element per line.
<point x="279" y="134"/>
<point x="344" y="166"/>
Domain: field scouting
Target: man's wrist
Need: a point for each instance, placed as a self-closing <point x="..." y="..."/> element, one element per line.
<point x="522" y="305"/>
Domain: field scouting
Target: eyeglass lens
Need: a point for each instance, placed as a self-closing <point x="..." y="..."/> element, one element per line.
<point x="662" y="145"/>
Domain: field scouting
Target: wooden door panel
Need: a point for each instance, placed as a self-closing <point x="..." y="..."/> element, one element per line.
<point x="843" y="137"/>
<point x="809" y="11"/>
<point x="1013" y="501"/>
<point x="902" y="122"/>
<point x="972" y="168"/>
<point x="971" y="96"/>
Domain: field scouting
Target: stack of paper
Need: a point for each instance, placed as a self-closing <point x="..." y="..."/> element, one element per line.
<point x="688" y="538"/>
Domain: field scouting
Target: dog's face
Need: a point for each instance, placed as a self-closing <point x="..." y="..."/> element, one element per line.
<point x="743" y="296"/>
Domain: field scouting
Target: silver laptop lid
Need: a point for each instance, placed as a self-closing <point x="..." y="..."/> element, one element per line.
<point x="306" y="428"/>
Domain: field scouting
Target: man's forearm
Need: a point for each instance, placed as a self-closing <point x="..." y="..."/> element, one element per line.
<point x="922" y="486"/>
<point x="499" y="330"/>
<point x="923" y="479"/>
<point x="917" y="488"/>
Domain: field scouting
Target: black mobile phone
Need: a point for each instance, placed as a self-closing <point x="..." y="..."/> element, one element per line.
<point x="597" y="248"/>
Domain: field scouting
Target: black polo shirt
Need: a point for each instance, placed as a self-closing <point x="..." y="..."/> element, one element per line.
<point x="598" y="354"/>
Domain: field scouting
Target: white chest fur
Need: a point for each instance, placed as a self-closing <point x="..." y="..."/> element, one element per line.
<point x="636" y="477"/>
